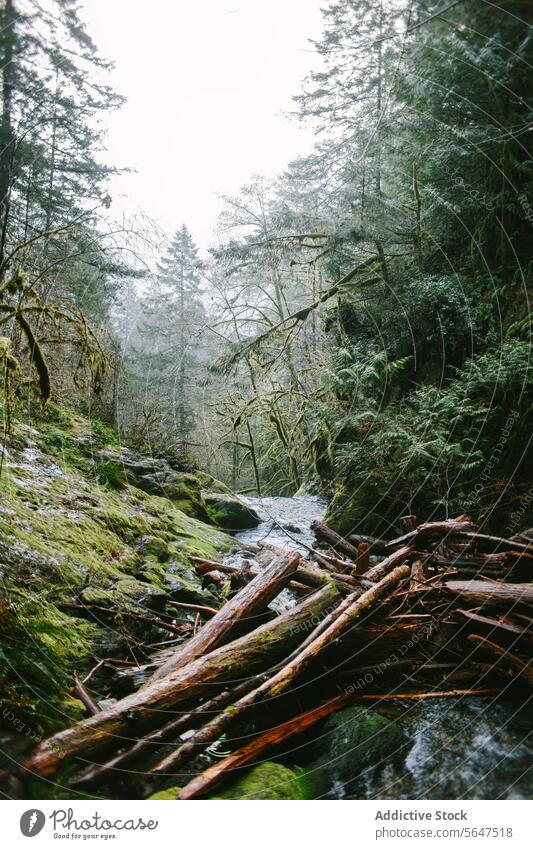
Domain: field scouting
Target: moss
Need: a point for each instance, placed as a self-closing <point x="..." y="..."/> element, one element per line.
<point x="170" y="794"/>
<point x="266" y="781"/>
<point x="351" y="741"/>
<point x="66" y="537"/>
<point x="229" y="512"/>
<point x="353" y="513"/>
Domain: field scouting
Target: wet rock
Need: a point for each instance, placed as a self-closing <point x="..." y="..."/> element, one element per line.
<point x="153" y="546"/>
<point x="229" y="512"/>
<point x="351" y="741"/>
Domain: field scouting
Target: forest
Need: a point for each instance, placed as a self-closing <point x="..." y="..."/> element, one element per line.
<point x="289" y="474"/>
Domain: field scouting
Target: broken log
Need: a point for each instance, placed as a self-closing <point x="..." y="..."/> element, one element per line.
<point x="492" y="594"/>
<point x="432" y="532"/>
<point x="245" y="754"/>
<point x="80" y="690"/>
<point x="254" y="597"/>
<point x="337" y="542"/>
<point x="273" y="737"/>
<point x="348" y="615"/>
<point x="376" y="573"/>
<point x="142" y="710"/>
<point x="505" y="630"/>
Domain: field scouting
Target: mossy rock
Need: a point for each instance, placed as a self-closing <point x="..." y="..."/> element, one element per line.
<point x="349" y="742"/>
<point x="229" y="512"/>
<point x="354" y="513"/>
<point x="152" y="546"/>
<point x="266" y="781"/>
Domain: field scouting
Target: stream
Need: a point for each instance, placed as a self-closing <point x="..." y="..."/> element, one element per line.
<point x="472" y="748"/>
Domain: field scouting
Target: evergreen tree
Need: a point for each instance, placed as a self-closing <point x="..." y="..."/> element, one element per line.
<point x="173" y="320"/>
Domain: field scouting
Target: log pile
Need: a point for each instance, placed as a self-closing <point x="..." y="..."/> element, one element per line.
<point x="442" y="610"/>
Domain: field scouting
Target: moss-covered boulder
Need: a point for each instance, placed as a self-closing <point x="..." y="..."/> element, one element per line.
<point x="265" y="781"/>
<point x="366" y="511"/>
<point x="229" y="512"/>
<point x="351" y="741"/>
<point x="153" y="546"/>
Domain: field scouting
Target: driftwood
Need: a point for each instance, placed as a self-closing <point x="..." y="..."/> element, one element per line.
<point x="425" y="599"/>
<point x="521" y="665"/>
<point x="254" y="597"/>
<point x="144" y="709"/>
<point x="432" y="531"/>
<point x="377" y="546"/>
<point x="215" y="774"/>
<point x="346" y="616"/>
<point x="376" y="573"/>
<point x="491" y="594"/>
<point x="80" y="690"/>
<point x="337" y="542"/>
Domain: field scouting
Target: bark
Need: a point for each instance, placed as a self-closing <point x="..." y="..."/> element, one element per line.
<point x="351" y="610"/>
<point x="254" y="597"/>
<point x="491" y="594"/>
<point x="376" y="573"/>
<point x="144" y="709"/>
<point x="337" y="542"/>
<point x="242" y="756"/>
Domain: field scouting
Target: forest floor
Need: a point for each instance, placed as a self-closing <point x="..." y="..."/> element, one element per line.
<point x="119" y="603"/>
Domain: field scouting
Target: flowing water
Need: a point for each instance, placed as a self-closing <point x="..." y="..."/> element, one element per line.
<point x="456" y="748"/>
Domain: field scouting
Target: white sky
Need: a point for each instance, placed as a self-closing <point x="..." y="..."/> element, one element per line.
<point x="206" y="83"/>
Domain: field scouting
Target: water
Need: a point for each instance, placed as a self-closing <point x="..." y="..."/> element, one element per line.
<point x="286" y="521"/>
<point x="469" y="748"/>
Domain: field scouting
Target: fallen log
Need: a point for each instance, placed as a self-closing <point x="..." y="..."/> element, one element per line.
<point x="377" y="546"/>
<point x="242" y="756"/>
<point x="351" y="611"/>
<point x="491" y="543"/>
<point x="254" y="597"/>
<point x="337" y="542"/>
<point x="376" y="573"/>
<point x="144" y="709"/>
<point x="245" y="754"/>
<point x="504" y="629"/>
<point x="493" y="594"/>
<point x="433" y="532"/>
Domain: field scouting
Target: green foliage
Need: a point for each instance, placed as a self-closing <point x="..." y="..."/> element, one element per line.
<point x="432" y="446"/>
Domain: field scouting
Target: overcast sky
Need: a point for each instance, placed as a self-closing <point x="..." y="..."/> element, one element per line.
<point x="206" y="83"/>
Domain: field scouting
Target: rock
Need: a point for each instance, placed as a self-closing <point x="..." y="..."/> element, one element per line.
<point x="265" y="781"/>
<point x="186" y="585"/>
<point x="153" y="546"/>
<point x="293" y="529"/>
<point x="156" y="476"/>
<point x="229" y="512"/>
<point x="351" y="741"/>
<point x="353" y="513"/>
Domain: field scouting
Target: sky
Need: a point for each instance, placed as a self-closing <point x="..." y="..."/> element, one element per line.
<point x="208" y="85"/>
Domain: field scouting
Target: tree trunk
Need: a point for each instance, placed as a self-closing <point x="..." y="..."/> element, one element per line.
<point x="7" y="138"/>
<point x="143" y="710"/>
<point x="254" y="597"/>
